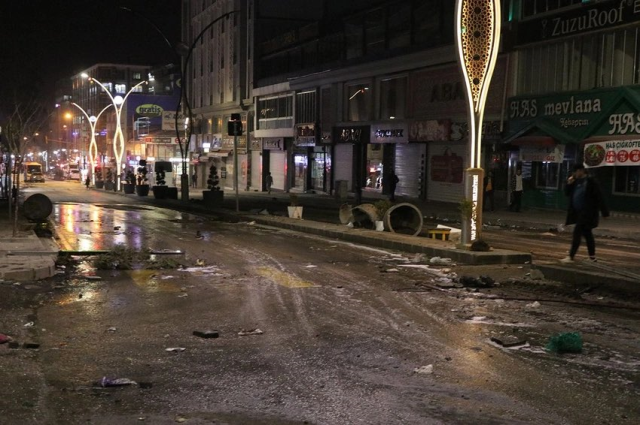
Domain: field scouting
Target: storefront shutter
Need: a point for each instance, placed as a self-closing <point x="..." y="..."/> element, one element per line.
<point x="277" y="167"/>
<point x="410" y="159"/>
<point x="256" y="170"/>
<point x="343" y="164"/>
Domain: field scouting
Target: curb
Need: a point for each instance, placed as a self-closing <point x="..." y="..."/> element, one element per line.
<point x="577" y="275"/>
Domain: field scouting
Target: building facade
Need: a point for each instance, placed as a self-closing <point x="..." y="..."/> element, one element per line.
<point x="576" y="86"/>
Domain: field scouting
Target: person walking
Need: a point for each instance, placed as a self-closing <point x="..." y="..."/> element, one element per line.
<point x="488" y="190"/>
<point x="391" y="183"/>
<point x="585" y="205"/>
<point x="194" y="179"/>
<point x="516" y="201"/>
<point x="87" y="181"/>
<point x="269" y="182"/>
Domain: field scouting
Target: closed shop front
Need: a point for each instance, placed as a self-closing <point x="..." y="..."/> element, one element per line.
<point x="410" y="168"/>
<point x="275" y="161"/>
<point x="349" y="156"/>
<point x="445" y="171"/>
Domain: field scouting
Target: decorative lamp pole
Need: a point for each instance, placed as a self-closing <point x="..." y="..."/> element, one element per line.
<point x="477" y="38"/>
<point x="93" y="146"/>
<point x="118" y="138"/>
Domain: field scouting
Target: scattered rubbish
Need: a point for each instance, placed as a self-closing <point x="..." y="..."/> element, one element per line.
<point x="560" y="227"/>
<point x="389" y="271"/>
<point x="31" y="345"/>
<point x="180" y="419"/>
<point x="4" y="338"/>
<point x="28" y="325"/>
<point x="350" y="224"/>
<point x="425" y="370"/>
<point x="448" y="283"/>
<point x="440" y="261"/>
<point x="92" y="277"/>
<point x="199" y="235"/>
<point x="251" y="223"/>
<point x="548" y="234"/>
<point x="418" y="258"/>
<point x="17" y="283"/>
<point x="250" y="332"/>
<point x="477" y="282"/>
<point x="566" y="342"/>
<point x="310" y="266"/>
<point x="112" y="329"/>
<point x="264" y="212"/>
<point x="175" y="349"/>
<point x="207" y="334"/>
<point x="508" y="341"/>
<point x="184" y="295"/>
<point x="119" y="382"/>
<point x="199" y="262"/>
<point x="534" y="304"/>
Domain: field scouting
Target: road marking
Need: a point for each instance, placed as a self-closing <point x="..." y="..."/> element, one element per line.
<point x="283" y="278"/>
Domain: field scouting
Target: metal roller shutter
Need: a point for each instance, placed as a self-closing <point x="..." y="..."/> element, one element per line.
<point x="445" y="171"/>
<point x="256" y="170"/>
<point x="343" y="164"/>
<point x="410" y="159"/>
<point x="278" y="167"/>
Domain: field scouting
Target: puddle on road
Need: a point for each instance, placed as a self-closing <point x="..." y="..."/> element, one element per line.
<point x="152" y="281"/>
<point x="283" y="278"/>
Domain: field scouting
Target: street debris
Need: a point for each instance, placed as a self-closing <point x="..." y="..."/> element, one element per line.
<point x="439" y="261"/>
<point x="245" y="332"/>
<point x="31" y="345"/>
<point x="310" y="266"/>
<point x="508" y="341"/>
<point x="112" y="329"/>
<point x="4" y="338"/>
<point x="28" y="325"/>
<point x="251" y="223"/>
<point x="118" y="382"/>
<point x="184" y="295"/>
<point x="534" y="304"/>
<point x="389" y="271"/>
<point x="207" y="334"/>
<point x="424" y="370"/>
<point x="477" y="282"/>
<point x="200" y="262"/>
<point x="566" y="342"/>
<point x="175" y="349"/>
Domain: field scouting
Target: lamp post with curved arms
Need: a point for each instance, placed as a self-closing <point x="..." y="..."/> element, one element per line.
<point x="118" y="138"/>
<point x="93" y="146"/>
<point x="183" y="52"/>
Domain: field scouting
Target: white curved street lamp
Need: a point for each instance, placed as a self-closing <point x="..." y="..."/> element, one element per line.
<point x="118" y="138"/>
<point x="93" y="146"/>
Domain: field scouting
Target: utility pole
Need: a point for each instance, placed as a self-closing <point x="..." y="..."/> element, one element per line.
<point x="234" y="128"/>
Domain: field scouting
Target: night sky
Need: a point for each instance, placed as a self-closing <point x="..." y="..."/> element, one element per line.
<point x="43" y="41"/>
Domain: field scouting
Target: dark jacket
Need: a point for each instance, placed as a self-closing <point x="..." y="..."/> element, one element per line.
<point x="593" y="205"/>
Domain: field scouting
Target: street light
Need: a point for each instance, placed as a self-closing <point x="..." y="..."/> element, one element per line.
<point x="93" y="146"/>
<point x="118" y="138"/>
<point x="477" y="39"/>
<point x="183" y="52"/>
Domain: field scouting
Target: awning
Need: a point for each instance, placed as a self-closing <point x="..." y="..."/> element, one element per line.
<point x="539" y="133"/>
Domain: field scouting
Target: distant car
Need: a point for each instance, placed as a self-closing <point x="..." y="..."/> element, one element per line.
<point x="37" y="177"/>
<point x="74" y="175"/>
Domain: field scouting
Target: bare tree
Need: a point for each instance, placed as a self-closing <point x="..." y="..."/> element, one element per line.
<point x="25" y="119"/>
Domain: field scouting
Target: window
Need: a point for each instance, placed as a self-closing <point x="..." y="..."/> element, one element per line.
<point x="608" y="59"/>
<point x="626" y="180"/>
<point x="374" y="31"/>
<point x="137" y="76"/>
<point x="358" y="102"/>
<point x="121" y="88"/>
<point x="306" y="107"/>
<point x="393" y="98"/>
<point x="138" y="89"/>
<point x="275" y="112"/>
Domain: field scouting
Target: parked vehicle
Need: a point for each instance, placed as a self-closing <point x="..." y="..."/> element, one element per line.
<point x="30" y="168"/>
<point x="37" y="177"/>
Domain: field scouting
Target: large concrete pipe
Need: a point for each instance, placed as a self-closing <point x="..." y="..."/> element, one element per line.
<point x="346" y="216"/>
<point x="404" y="218"/>
<point x="37" y="207"/>
<point x="365" y="216"/>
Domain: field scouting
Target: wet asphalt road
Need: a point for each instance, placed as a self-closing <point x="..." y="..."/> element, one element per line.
<point x="344" y="329"/>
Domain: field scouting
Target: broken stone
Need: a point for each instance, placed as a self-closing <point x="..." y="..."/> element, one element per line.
<point x="424" y="370"/>
<point x="175" y="349"/>
<point x="207" y="334"/>
<point x="534" y="304"/>
<point x="250" y="332"/>
<point x="508" y="341"/>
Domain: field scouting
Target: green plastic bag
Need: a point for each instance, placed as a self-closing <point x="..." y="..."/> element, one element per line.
<point x="567" y="342"/>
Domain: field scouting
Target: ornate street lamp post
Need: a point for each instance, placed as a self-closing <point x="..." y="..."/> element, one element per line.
<point x="93" y="146"/>
<point x="477" y="39"/>
<point x="118" y="137"/>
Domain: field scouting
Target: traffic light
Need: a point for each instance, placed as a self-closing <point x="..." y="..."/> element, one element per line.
<point x="234" y="126"/>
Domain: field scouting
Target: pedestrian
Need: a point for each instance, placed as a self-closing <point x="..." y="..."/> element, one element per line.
<point x="194" y="180"/>
<point x="585" y="205"/>
<point x="87" y="182"/>
<point x="516" y="198"/>
<point x="488" y="190"/>
<point x="269" y="182"/>
<point x="392" y="183"/>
